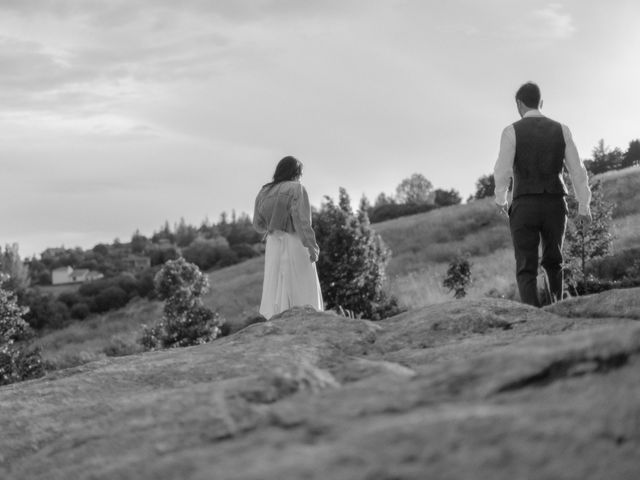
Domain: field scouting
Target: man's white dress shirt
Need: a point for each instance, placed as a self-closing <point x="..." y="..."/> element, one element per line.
<point x="503" y="170"/>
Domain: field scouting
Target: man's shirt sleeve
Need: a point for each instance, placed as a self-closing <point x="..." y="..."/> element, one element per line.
<point x="577" y="172"/>
<point x="503" y="169"/>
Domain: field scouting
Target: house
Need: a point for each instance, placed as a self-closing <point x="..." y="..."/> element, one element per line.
<point x="63" y="275"/>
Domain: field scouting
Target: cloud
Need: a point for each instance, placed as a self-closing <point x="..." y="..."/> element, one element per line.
<point x="555" y="23"/>
<point x="542" y="26"/>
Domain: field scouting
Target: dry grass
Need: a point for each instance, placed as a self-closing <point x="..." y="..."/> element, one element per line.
<point x="623" y="188"/>
<point x="626" y="231"/>
<point x="416" y="289"/>
<point x="236" y="290"/>
<point x="87" y="340"/>
<point x="419" y="241"/>
<point x="618" y="174"/>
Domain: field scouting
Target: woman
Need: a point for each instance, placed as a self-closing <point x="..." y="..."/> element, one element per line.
<point x="282" y="212"/>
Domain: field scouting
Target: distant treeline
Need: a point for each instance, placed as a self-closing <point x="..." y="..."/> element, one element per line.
<point x="210" y="245"/>
<point x="604" y="158"/>
<point x="414" y="194"/>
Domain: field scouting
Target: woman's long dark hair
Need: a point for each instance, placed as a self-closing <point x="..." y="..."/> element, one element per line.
<point x="289" y="168"/>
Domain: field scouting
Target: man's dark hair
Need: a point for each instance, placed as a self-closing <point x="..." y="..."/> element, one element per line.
<point x="529" y="94"/>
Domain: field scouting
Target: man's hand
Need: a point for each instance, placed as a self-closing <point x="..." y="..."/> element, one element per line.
<point x="503" y="209"/>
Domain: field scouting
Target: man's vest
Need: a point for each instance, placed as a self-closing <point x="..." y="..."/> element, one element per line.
<point x="537" y="166"/>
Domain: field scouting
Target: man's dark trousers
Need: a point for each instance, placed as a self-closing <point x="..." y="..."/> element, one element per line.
<point x="535" y="220"/>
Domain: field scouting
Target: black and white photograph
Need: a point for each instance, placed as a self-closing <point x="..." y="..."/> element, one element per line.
<point x="327" y="239"/>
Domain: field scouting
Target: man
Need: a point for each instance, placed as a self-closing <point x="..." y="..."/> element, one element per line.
<point x="533" y="152"/>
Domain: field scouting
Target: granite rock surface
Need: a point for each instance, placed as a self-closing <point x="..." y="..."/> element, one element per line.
<point x="462" y="390"/>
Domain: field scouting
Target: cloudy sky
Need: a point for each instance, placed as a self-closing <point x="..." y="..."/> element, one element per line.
<point x="117" y="115"/>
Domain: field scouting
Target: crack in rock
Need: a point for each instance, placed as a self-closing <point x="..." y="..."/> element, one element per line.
<point x="567" y="368"/>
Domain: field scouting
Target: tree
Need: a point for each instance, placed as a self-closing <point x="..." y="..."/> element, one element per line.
<point x="44" y="310"/>
<point x="344" y="201"/>
<point x="186" y="321"/>
<point x="110" y="298"/>
<point x="444" y="198"/>
<point x="364" y="209"/>
<point x="241" y="231"/>
<point x="632" y="155"/>
<point x="485" y="187"/>
<point x="383" y="199"/>
<point x="352" y="261"/>
<point x="139" y="242"/>
<point x="17" y="274"/>
<point x="415" y="189"/>
<point x="589" y="243"/>
<point x="164" y="234"/>
<point x="39" y="274"/>
<point x="185" y="234"/>
<point x="17" y="361"/>
<point x="223" y="224"/>
<point x="458" y="276"/>
<point x="603" y="159"/>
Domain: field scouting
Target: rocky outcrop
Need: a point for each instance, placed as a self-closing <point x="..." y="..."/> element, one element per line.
<point x="468" y="389"/>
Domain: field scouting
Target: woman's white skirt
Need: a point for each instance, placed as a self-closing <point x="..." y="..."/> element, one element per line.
<point x="290" y="279"/>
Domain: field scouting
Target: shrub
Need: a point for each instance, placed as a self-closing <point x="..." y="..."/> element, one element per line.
<point x="91" y="289"/>
<point x="44" y="311"/>
<point x="244" y="251"/>
<point x="17" y="361"/>
<point x="111" y="293"/>
<point x="616" y="266"/>
<point x="204" y="254"/>
<point x="582" y="245"/>
<point x="109" y="299"/>
<point x="186" y="321"/>
<point x="592" y="285"/>
<point x="70" y="298"/>
<point x="208" y="254"/>
<point x="145" y="286"/>
<point x="352" y="262"/>
<point x="458" y="276"/>
<point x="160" y="255"/>
<point x="129" y="284"/>
<point x="227" y="257"/>
<point x="444" y="198"/>
<point x="80" y="311"/>
<point x="119" y="346"/>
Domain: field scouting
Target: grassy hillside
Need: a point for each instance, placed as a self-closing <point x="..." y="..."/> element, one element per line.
<point x="424" y="244"/>
<point x="622" y="188"/>
<point x="422" y="247"/>
<point x="437" y="236"/>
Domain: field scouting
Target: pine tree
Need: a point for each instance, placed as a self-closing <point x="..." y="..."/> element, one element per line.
<point x="17" y="274"/>
<point x="363" y="209"/>
<point x="458" y="276"/>
<point x="352" y="261"/>
<point x="632" y="155"/>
